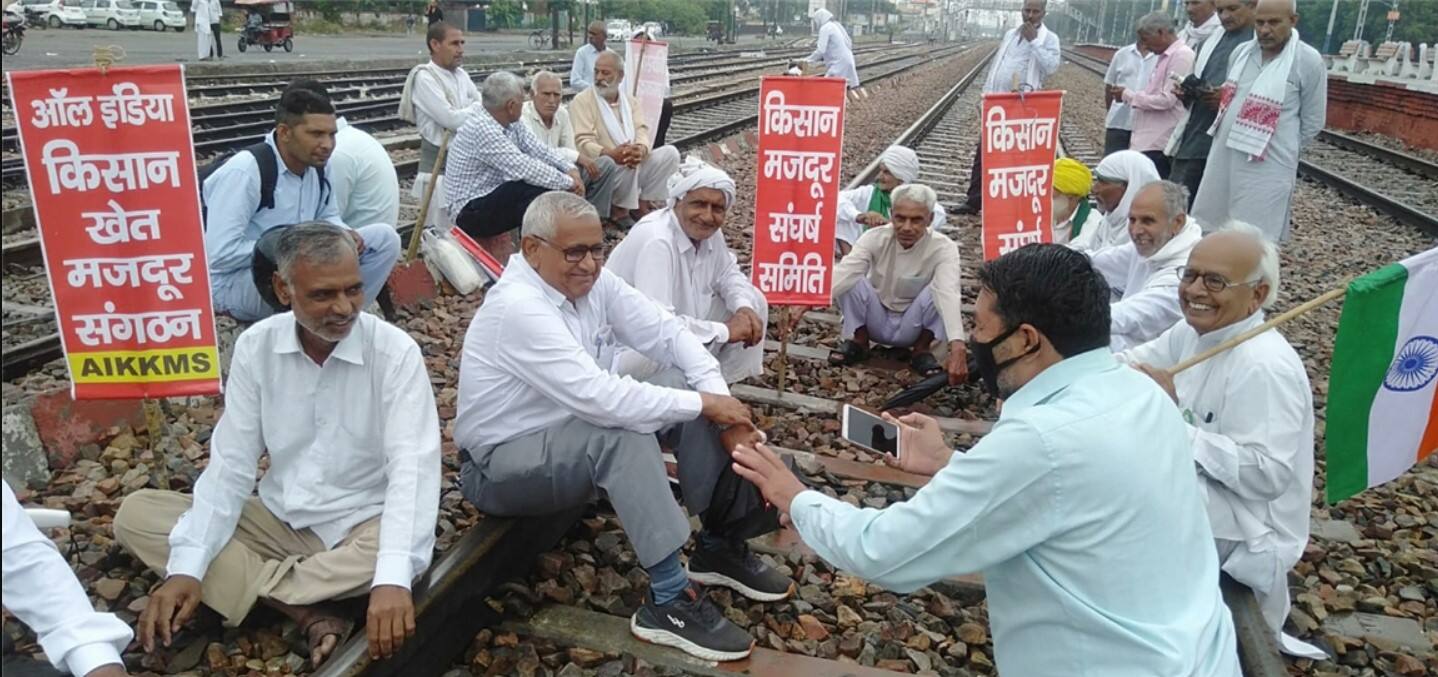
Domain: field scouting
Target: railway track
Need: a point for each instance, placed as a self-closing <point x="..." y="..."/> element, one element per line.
<point x="696" y="121"/>
<point x="1394" y="183"/>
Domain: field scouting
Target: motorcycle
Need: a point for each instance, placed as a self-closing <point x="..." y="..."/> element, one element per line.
<point x="13" y="33"/>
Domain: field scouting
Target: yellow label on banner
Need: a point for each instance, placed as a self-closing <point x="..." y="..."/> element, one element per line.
<point x="146" y="366"/>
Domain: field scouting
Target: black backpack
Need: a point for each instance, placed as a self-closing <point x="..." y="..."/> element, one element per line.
<point x="265" y="158"/>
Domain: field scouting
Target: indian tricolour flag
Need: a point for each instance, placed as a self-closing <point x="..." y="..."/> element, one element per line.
<point x="1382" y="403"/>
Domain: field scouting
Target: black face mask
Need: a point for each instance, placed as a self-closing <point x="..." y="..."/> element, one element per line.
<point x="989" y="370"/>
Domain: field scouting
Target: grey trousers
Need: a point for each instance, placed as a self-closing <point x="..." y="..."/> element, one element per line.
<point x="1115" y="140"/>
<point x="599" y="190"/>
<point x="575" y="462"/>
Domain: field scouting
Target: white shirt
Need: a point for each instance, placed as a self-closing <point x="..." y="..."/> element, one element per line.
<point x="362" y="176"/>
<point x="1145" y="290"/>
<point x="854" y="202"/>
<point x="442" y="100"/>
<point x="659" y="260"/>
<point x="1033" y="61"/>
<point x="1129" y="69"/>
<point x="834" y="49"/>
<point x="533" y="359"/>
<point x="42" y="591"/>
<point x="581" y="73"/>
<point x="559" y="136"/>
<point x="1250" y="422"/>
<point x="355" y="438"/>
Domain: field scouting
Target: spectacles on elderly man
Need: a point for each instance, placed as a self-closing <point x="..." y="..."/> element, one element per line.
<point x="1211" y="281"/>
<point x="576" y="254"/>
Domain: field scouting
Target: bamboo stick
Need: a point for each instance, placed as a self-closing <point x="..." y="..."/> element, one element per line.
<point x="434" y="174"/>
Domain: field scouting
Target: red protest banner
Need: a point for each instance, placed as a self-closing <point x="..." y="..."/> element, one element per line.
<point x="117" y="203"/>
<point x="646" y="76"/>
<point x="801" y="140"/>
<point x="1020" y="137"/>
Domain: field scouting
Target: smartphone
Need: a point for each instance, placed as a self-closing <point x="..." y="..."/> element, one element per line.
<point x="871" y="432"/>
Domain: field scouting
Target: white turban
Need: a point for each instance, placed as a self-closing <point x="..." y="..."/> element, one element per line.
<point x="821" y="17"/>
<point x="1131" y="168"/>
<point x="902" y="162"/>
<point x="695" y="173"/>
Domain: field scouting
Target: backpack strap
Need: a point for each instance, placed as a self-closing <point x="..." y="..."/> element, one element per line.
<point x="269" y="172"/>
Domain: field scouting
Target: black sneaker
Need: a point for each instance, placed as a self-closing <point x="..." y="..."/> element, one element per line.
<point x="692" y="624"/>
<point x="739" y="569"/>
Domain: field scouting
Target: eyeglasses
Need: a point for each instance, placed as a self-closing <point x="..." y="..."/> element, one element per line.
<point x="576" y="254"/>
<point x="1211" y="281"/>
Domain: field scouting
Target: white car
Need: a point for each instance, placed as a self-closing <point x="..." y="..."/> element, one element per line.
<point x="618" y="30"/>
<point x="56" y="13"/>
<point x="112" y="14"/>
<point x="654" y="29"/>
<point x="160" y="14"/>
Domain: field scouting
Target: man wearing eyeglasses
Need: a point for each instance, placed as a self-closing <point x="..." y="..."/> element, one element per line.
<point x="1140" y="272"/>
<point x="544" y="424"/>
<point x="1249" y="412"/>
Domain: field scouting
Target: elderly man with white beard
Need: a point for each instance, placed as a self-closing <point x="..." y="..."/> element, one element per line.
<point x="867" y="207"/>
<point x="609" y="122"/>
<point x="1141" y="273"/>
<point x="1249" y="412"/>
<point x="679" y="258"/>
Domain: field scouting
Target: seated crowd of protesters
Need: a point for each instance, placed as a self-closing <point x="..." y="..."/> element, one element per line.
<point x="1101" y="508"/>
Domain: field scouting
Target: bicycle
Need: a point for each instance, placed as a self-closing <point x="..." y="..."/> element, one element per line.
<point x="539" y="38"/>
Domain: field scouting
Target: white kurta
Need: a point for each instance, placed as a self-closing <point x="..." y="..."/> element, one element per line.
<point x="1250" y="421"/>
<point x="835" y="50"/>
<point x="854" y="202"/>
<point x="443" y="100"/>
<point x="703" y="285"/>
<point x="1145" y="290"/>
<point x="204" y="39"/>
<point x="1028" y="62"/>
<point x="1261" y="191"/>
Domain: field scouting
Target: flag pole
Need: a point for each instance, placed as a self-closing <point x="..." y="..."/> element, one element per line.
<point x="1280" y="319"/>
<point x="784" y="330"/>
<point x="434" y="174"/>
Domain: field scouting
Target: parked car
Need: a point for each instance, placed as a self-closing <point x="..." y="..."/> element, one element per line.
<point x="55" y="13"/>
<point x="618" y="30"/>
<point x="112" y="14"/>
<point x="654" y="29"/>
<point x="160" y="14"/>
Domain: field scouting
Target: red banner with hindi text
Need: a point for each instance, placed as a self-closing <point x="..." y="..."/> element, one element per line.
<point x="112" y="178"/>
<point x="1019" y="139"/>
<point x="801" y="141"/>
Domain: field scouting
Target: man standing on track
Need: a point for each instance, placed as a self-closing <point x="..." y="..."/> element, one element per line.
<point x="1191" y="139"/>
<point x="1129" y="68"/>
<point x="834" y="49"/>
<point x="438" y="96"/>
<point x="1157" y="108"/>
<point x="1081" y="508"/>
<point x="341" y="402"/>
<point x="1028" y="55"/>
<point x="1276" y="103"/>
<point x="1203" y="22"/>
<point x="581" y="73"/>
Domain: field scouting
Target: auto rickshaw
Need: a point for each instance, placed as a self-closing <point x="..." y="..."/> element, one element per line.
<point x="267" y="23"/>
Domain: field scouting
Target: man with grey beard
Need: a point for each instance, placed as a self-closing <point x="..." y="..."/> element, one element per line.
<point x="609" y="122"/>
<point x="342" y="402"/>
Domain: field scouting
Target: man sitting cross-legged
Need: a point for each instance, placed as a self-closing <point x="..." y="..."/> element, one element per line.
<point x="899" y="286"/>
<point x="678" y="257"/>
<point x="544" y="425"/>
<point x="341" y="401"/>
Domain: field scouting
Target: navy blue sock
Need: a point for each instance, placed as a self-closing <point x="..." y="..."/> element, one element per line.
<point x="667" y="579"/>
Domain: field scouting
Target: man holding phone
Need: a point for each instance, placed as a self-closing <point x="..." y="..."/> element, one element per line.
<point x="1080" y="508"/>
<point x="1191" y="140"/>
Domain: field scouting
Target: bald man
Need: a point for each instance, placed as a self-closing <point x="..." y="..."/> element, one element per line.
<point x="1249" y="412"/>
<point x="608" y="122"/>
<point x="581" y="74"/>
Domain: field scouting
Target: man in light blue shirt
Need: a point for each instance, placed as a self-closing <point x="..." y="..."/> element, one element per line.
<point x="236" y="213"/>
<point x="1081" y="508"/>
<point x="581" y="74"/>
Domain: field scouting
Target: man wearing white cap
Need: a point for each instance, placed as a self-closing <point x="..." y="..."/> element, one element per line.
<point x="868" y="206"/>
<point x="678" y="257"/>
<point x="834" y="49"/>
